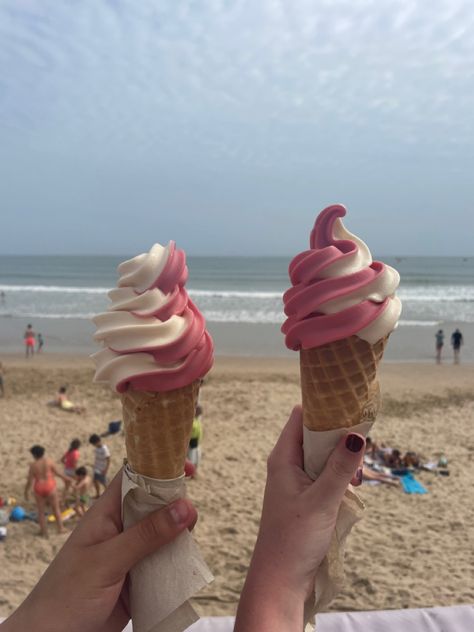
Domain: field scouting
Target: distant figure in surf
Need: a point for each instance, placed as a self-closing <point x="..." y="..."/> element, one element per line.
<point x="30" y="338"/>
<point x="456" y="341"/>
<point x="439" y="335"/>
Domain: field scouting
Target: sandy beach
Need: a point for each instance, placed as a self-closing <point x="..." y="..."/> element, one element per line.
<point x="408" y="551"/>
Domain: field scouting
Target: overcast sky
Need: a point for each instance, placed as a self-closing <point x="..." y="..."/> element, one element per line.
<point x="227" y="125"/>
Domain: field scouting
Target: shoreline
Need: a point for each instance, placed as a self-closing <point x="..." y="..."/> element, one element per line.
<point x="75" y="337"/>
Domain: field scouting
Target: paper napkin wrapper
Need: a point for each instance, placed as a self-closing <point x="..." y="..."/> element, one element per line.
<point x="161" y="585"/>
<point x="329" y="579"/>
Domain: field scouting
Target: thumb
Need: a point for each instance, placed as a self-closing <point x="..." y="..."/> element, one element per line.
<point x="341" y="466"/>
<point x="153" y="532"/>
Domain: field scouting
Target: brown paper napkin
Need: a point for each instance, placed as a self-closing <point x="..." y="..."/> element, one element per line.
<point x="329" y="579"/>
<point x="161" y="584"/>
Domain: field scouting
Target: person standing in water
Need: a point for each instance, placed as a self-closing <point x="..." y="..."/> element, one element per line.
<point x="457" y="341"/>
<point x="30" y="338"/>
<point x="439" y="335"/>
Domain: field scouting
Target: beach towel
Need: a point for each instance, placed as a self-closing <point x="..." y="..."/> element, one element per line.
<point x="411" y="485"/>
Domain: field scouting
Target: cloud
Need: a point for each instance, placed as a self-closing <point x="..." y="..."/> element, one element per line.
<point x="224" y="87"/>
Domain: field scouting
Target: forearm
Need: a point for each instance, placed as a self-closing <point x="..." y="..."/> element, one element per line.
<point x="267" y="603"/>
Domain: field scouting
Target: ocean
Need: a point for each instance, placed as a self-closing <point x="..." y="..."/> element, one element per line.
<point x="227" y="289"/>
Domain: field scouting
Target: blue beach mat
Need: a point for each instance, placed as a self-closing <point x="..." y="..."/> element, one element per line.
<point x="411" y="485"/>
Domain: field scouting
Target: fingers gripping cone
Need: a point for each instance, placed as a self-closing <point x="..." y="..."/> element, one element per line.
<point x="158" y="428"/>
<point x="339" y="383"/>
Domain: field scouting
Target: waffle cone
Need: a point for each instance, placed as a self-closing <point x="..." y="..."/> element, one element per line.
<point x="158" y="428"/>
<point x="339" y="383"/>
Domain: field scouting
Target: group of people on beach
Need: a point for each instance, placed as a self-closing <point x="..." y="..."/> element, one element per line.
<point x="32" y="340"/>
<point x="84" y="587"/>
<point x="457" y="341"/>
<point x="42" y="474"/>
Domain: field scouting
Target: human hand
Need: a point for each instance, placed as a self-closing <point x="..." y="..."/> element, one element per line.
<point x="83" y="588"/>
<point x="298" y="519"/>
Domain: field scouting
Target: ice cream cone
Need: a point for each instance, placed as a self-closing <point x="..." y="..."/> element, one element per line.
<point x="339" y="383"/>
<point x="158" y="428"/>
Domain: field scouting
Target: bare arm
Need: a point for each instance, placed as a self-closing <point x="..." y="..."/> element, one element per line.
<point x="107" y="466"/>
<point x="29" y="482"/>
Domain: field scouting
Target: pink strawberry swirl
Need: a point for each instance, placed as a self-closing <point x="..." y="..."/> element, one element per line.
<point x="154" y="338"/>
<point x="338" y="290"/>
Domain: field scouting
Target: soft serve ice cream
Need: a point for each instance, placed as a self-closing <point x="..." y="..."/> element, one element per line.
<point x="155" y="351"/>
<point x="340" y="311"/>
<point x="338" y="290"/>
<point x="153" y="335"/>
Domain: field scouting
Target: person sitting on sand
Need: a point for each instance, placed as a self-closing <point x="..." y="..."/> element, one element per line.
<point x="41" y="475"/>
<point x="81" y="488"/>
<point x="30" y="338"/>
<point x="370" y="475"/>
<point x="70" y="460"/>
<point x="411" y="459"/>
<point x="393" y="459"/>
<point x="64" y="403"/>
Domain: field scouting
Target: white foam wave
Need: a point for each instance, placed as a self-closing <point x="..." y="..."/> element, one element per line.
<point x="419" y="323"/>
<point x="54" y="288"/>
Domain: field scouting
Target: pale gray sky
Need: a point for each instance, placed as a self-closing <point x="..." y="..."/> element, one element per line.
<point x="227" y="125"/>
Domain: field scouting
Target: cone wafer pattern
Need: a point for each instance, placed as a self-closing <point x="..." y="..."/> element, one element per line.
<point x="157" y="429"/>
<point x="339" y="383"/>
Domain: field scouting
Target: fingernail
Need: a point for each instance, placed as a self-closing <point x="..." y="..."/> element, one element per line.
<point x="354" y="443"/>
<point x="359" y="474"/>
<point x="179" y="512"/>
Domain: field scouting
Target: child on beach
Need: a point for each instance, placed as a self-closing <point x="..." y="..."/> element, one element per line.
<point x="70" y="460"/>
<point x="41" y="475"/>
<point x="101" y="463"/>
<point x="40" y="343"/>
<point x="194" y="451"/>
<point x="81" y="490"/>
<point x="64" y="403"/>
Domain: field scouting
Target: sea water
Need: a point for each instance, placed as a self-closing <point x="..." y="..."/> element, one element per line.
<point x="226" y="289"/>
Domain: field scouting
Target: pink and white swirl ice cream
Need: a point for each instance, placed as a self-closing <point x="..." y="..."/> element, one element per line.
<point x="337" y="289"/>
<point x="153" y="335"/>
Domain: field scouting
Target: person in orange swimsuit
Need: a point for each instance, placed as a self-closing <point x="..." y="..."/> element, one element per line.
<point x="30" y="338"/>
<point x="41" y="475"/>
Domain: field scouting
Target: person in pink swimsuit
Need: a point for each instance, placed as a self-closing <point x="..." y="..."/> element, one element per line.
<point x="30" y="338"/>
<point x="41" y="475"/>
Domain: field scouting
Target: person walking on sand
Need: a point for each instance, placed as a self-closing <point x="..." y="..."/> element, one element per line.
<point x="439" y="335"/>
<point x="41" y="475"/>
<point x="456" y="341"/>
<point x="30" y="338"/>
<point x="101" y="463"/>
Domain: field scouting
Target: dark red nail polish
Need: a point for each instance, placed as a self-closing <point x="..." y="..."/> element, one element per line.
<point x="359" y="474"/>
<point x="354" y="443"/>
